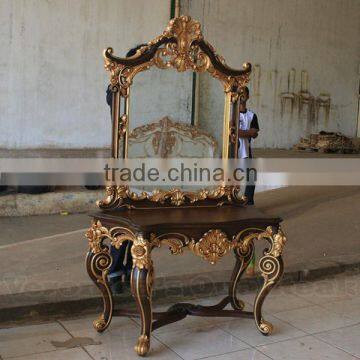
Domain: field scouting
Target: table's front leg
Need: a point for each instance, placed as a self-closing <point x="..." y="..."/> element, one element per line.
<point x="141" y="287"/>
<point x="272" y="268"/>
<point x="98" y="262"/>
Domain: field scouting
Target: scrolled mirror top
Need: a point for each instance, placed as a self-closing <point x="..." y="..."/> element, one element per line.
<point x="182" y="47"/>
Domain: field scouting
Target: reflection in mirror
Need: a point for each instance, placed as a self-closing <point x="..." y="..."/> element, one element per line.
<point x="163" y="112"/>
<point x="210" y="96"/>
<point x="156" y="93"/>
<point x="162" y="115"/>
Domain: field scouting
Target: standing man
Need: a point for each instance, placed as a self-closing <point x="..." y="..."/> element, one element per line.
<point x="248" y="130"/>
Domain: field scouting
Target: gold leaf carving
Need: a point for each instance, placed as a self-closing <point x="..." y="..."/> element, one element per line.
<point x="180" y="50"/>
<point x="176" y="197"/>
<point x="212" y="246"/>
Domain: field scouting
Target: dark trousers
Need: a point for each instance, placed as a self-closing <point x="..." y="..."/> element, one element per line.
<point x="121" y="260"/>
<point x="249" y="193"/>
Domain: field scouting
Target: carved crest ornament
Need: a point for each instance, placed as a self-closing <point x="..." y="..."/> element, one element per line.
<point x="181" y="47"/>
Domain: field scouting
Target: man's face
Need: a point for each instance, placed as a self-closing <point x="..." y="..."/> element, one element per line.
<point x="244" y="97"/>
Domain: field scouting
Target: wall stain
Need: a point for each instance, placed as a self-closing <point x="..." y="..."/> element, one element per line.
<point x="310" y="107"/>
<point x="289" y="95"/>
<point x="278" y="40"/>
<point x="323" y="101"/>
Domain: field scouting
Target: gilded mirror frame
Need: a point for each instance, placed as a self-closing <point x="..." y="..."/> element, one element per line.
<point x="182" y="47"/>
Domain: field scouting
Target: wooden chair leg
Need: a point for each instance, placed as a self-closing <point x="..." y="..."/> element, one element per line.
<point x="141" y="287"/>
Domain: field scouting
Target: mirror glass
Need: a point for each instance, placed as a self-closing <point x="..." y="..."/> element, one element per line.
<point x="175" y="115"/>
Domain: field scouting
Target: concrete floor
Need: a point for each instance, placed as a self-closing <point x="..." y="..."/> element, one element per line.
<point x="42" y="257"/>
<point x="312" y="321"/>
<point x="22" y="228"/>
<point x="70" y="199"/>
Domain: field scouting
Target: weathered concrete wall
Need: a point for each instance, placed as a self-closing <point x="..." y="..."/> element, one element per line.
<point x="53" y="82"/>
<point x="52" y="88"/>
<point x="310" y="46"/>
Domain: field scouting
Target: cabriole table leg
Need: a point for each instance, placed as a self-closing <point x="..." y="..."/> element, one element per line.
<point x="141" y="287"/>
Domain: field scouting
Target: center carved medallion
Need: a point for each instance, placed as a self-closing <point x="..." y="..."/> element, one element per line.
<point x="212" y="246"/>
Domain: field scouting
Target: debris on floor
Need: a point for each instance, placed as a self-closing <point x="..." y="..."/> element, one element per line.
<point x="328" y="142"/>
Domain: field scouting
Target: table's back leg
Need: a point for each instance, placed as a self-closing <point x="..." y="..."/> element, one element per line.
<point x="242" y="262"/>
<point x="141" y="288"/>
<point x="97" y="266"/>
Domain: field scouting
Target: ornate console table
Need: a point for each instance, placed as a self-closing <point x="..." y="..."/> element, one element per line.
<point x="211" y="222"/>
<point x="210" y="233"/>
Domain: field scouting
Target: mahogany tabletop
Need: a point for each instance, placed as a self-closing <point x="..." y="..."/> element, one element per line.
<point x="226" y="217"/>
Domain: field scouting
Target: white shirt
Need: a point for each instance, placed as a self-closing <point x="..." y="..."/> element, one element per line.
<point x="244" y="143"/>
